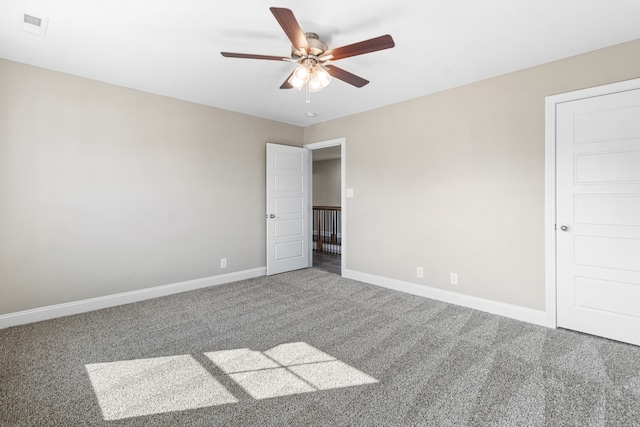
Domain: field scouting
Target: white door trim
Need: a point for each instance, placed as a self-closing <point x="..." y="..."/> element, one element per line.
<point x="551" y="103"/>
<point x="342" y="142"/>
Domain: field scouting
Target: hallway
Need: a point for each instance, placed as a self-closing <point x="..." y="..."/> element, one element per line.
<point x="327" y="262"/>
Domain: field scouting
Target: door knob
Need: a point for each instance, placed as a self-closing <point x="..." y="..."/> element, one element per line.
<point x="564" y="227"/>
<point x="272" y="216"/>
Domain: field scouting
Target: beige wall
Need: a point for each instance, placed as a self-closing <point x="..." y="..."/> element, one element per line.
<point x="104" y="189"/>
<point x="454" y="182"/>
<point x="326" y="183"/>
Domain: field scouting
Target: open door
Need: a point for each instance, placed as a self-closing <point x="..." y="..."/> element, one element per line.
<point x="288" y="188"/>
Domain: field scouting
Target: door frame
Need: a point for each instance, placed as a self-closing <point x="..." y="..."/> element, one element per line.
<point x="342" y="142"/>
<point x="551" y="103"/>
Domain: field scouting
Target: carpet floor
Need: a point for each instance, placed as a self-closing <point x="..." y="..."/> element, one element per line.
<point x="310" y="348"/>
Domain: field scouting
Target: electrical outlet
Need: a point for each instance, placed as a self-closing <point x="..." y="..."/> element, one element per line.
<point x="223" y="263"/>
<point x="454" y="278"/>
<point x="420" y="272"/>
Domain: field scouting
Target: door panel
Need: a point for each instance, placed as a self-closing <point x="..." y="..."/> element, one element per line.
<point x="286" y="205"/>
<point x="607" y="296"/>
<point x="293" y="184"/>
<point x="287" y="208"/>
<point x="598" y="215"/>
<point x="289" y="228"/>
<point x="288" y="251"/>
<point x="603" y="125"/>
<point x="601" y="168"/>
<point x="623" y="210"/>
<point x="605" y="252"/>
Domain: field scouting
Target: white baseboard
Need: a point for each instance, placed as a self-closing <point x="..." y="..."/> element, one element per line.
<point x="524" y="314"/>
<point x="59" y="310"/>
<point x="83" y="306"/>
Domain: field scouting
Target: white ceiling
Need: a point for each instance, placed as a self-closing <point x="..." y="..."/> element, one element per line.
<point x="172" y="48"/>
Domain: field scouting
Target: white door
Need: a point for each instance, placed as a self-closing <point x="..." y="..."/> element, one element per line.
<point x="288" y="191"/>
<point x="598" y="215"/>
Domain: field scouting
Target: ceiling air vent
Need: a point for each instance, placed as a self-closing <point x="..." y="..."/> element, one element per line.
<point x="35" y="25"/>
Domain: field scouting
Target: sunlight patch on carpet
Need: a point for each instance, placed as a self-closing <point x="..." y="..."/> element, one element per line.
<point x="269" y="383"/>
<point x="134" y="388"/>
<point x="328" y="375"/>
<point x="287" y="369"/>
<point x="240" y="360"/>
<point x="139" y="387"/>
<point x="297" y="353"/>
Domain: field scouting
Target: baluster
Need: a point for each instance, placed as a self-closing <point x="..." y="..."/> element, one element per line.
<point x="327" y="227"/>
<point x="319" y="244"/>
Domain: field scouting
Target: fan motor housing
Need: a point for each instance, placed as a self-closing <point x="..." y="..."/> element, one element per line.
<point x="316" y="47"/>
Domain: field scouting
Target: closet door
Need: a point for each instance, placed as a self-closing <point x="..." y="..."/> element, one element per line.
<point x="598" y="215"/>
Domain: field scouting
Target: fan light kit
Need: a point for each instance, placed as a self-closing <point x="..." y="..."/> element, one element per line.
<point x="312" y="56"/>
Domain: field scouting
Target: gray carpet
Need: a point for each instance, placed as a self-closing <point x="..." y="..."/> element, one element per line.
<point x="414" y="362"/>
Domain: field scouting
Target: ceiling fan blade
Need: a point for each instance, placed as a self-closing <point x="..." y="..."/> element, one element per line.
<point x="250" y="56"/>
<point x="286" y="84"/>
<point x="360" y="48"/>
<point x="346" y="76"/>
<point x="292" y="29"/>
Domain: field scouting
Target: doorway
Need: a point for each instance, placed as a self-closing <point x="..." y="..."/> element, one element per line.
<point x="328" y="245"/>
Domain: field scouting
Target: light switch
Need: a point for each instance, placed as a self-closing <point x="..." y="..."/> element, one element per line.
<point x="349" y="193"/>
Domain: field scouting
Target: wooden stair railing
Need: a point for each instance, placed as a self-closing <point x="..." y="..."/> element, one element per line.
<point x="327" y="228"/>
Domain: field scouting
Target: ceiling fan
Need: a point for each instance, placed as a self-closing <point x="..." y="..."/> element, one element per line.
<point x="313" y="55"/>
